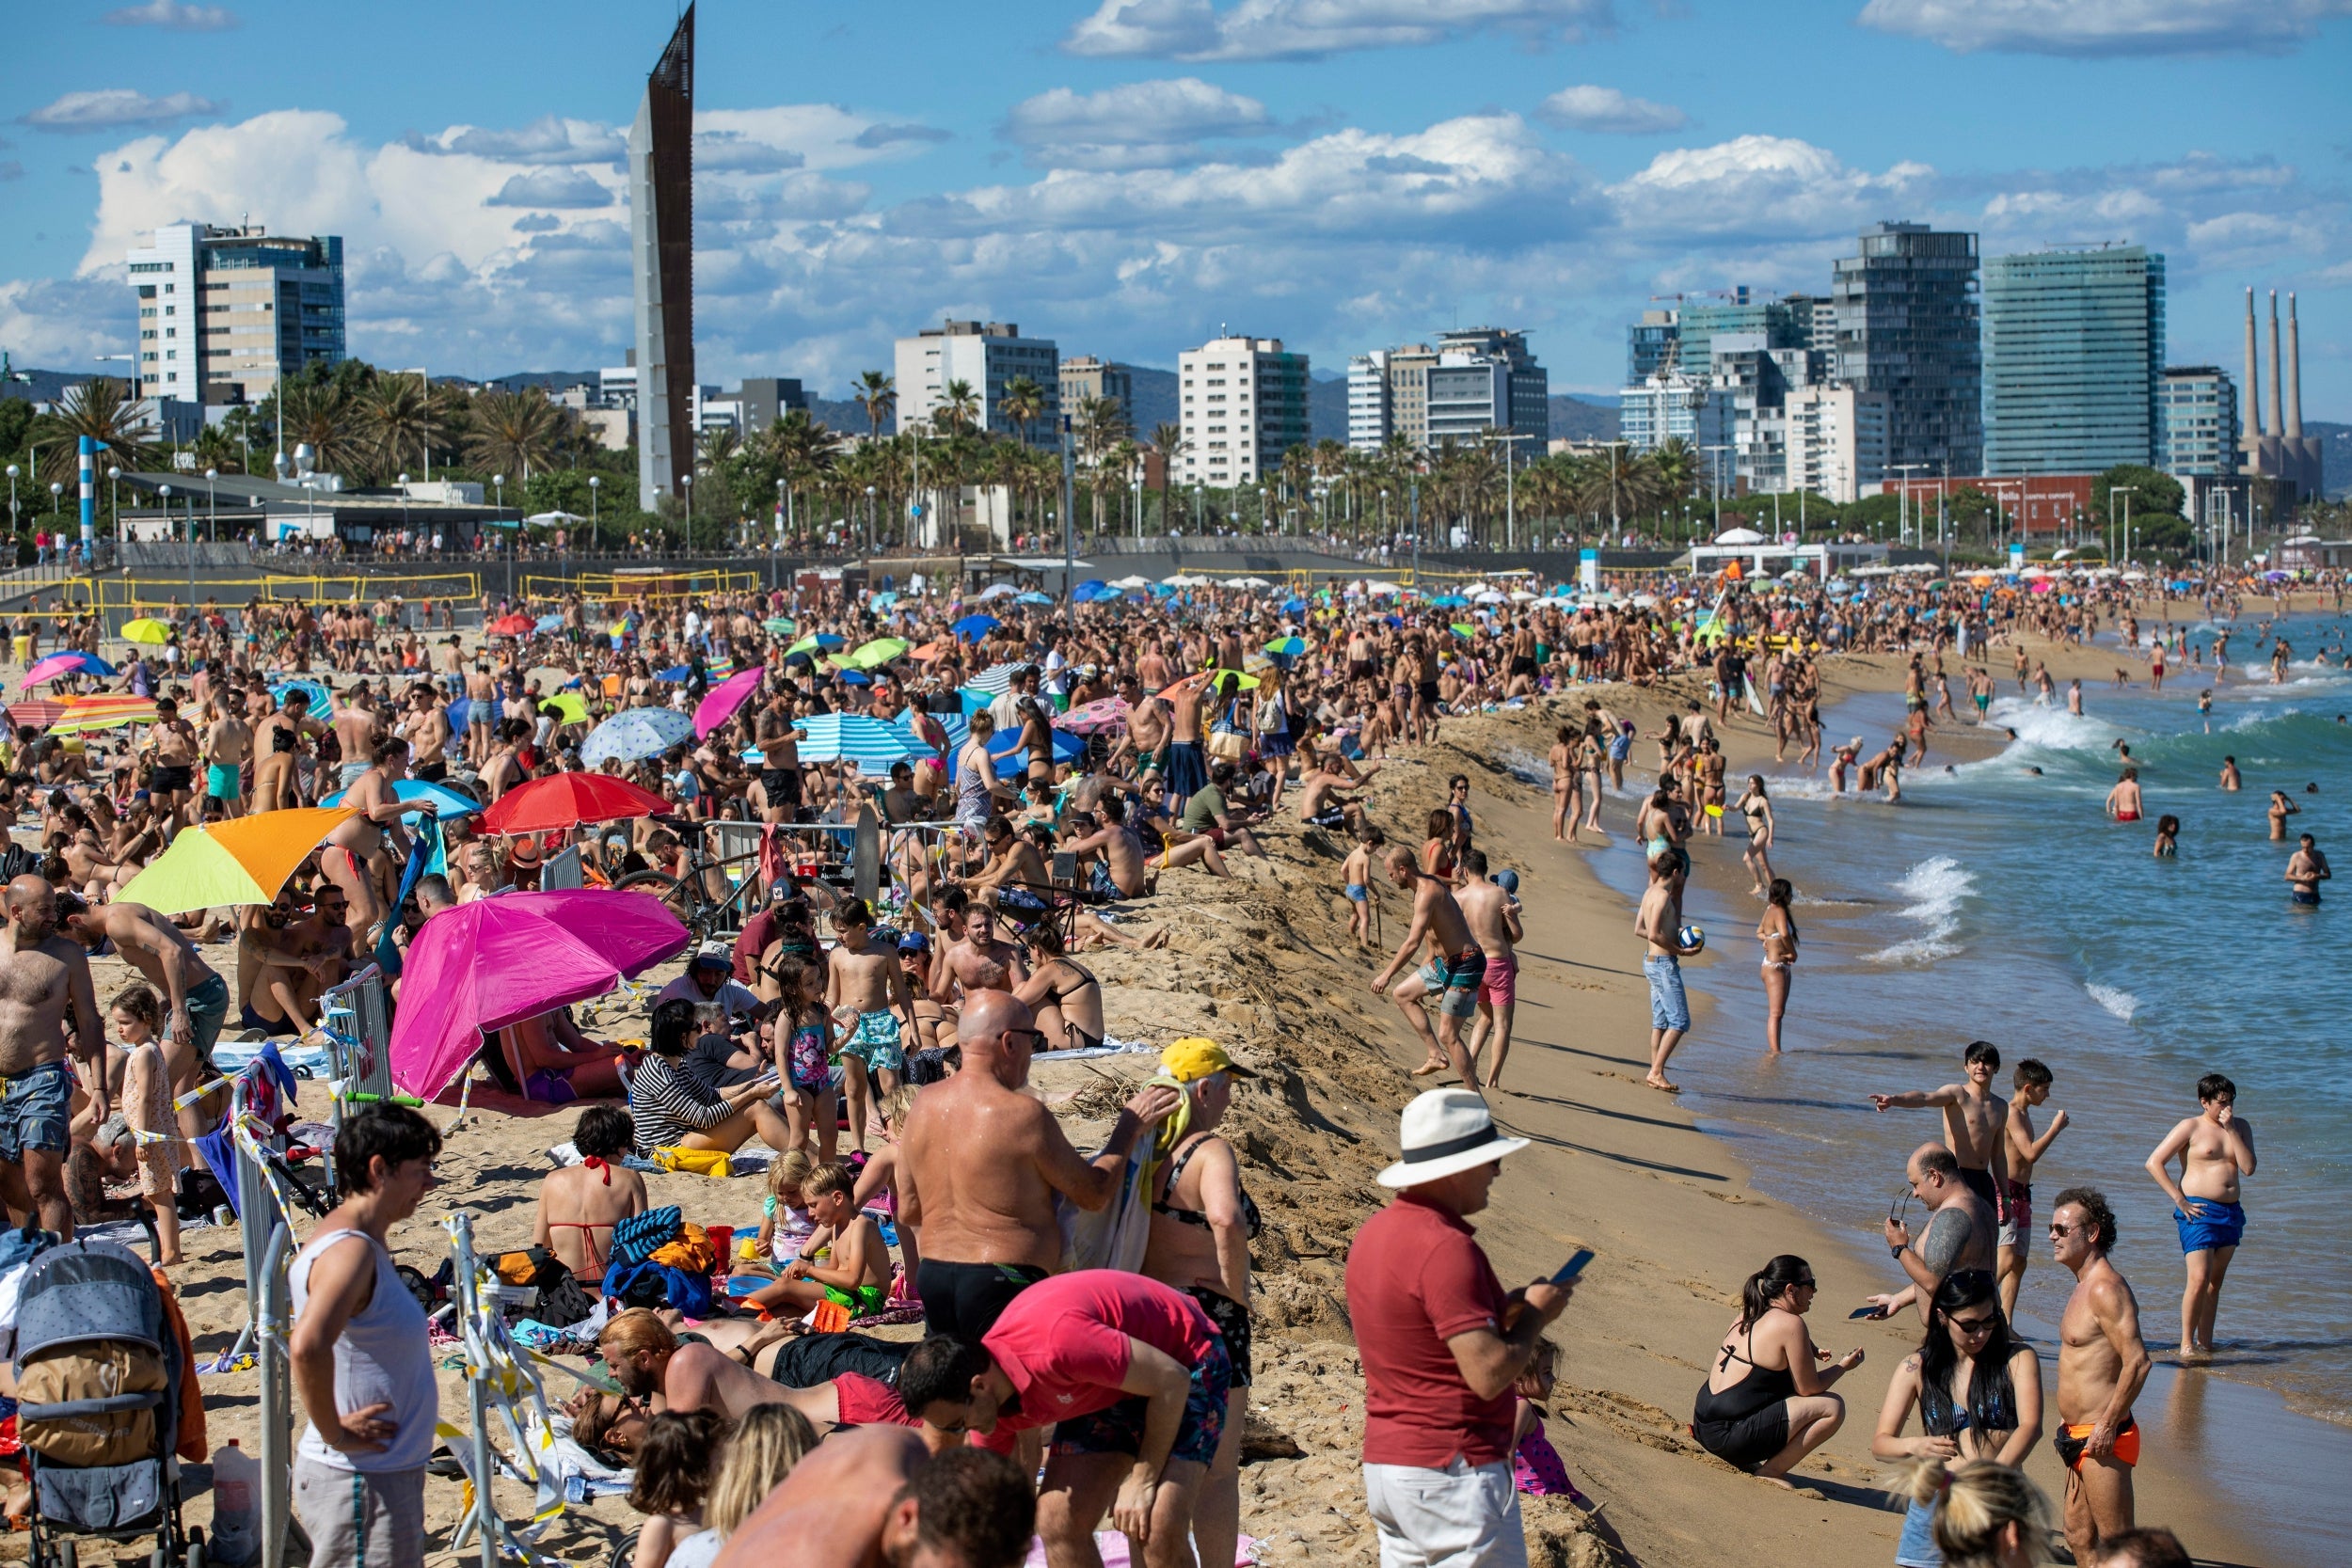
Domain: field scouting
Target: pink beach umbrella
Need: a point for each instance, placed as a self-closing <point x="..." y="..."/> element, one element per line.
<point x="1107" y="713"/>
<point x="720" y="702"/>
<point x="498" y="960"/>
<point x="50" y="669"/>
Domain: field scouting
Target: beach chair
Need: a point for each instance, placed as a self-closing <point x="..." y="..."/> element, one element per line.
<point x="98" y="1373"/>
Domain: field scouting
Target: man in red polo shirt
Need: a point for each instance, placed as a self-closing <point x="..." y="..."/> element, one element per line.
<point x="1441" y="1343"/>
<point x="1135" y="1374"/>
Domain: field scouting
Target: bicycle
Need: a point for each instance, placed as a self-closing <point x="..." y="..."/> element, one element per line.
<point x="688" y="897"/>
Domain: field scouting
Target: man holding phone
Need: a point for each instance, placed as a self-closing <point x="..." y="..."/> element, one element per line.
<point x="1441" y="1343"/>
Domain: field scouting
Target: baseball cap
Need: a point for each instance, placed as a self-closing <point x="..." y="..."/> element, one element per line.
<point x="1194" y="1057"/>
<point x="914" y="942"/>
<point x="713" y="954"/>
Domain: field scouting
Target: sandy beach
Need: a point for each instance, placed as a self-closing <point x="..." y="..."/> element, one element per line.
<point x="1262" y="962"/>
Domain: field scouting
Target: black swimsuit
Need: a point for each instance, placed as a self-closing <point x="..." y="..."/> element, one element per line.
<point x="1748" y="1422"/>
<point x="1231" y="1317"/>
<point x="1059" y="998"/>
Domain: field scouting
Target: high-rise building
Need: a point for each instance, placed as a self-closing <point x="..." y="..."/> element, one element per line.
<point x="2198" y="426"/>
<point x="1245" y="405"/>
<point x="766" y="399"/>
<point x="1906" y="312"/>
<point x="1835" y="440"/>
<point x="1085" y="378"/>
<point x="1651" y="344"/>
<point x="1517" y="396"/>
<point x="224" y="313"/>
<point x="1408" y="393"/>
<point x="2073" y="359"/>
<point x="987" y="357"/>
<point x="1368" y="401"/>
<point x="1669" y="405"/>
<point x="661" y="264"/>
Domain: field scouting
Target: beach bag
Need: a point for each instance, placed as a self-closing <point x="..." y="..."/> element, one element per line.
<point x="1228" y="745"/>
<point x="103" y="1372"/>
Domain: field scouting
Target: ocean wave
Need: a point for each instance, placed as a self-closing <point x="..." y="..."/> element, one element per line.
<point x="1525" y="765"/>
<point x="2116" y="1000"/>
<point x="2053" y="729"/>
<point x="1933" y="892"/>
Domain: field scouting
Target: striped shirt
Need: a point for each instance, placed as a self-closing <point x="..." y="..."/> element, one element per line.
<point x="666" y="1104"/>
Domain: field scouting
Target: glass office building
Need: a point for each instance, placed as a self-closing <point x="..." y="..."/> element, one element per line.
<point x="2073" y="359"/>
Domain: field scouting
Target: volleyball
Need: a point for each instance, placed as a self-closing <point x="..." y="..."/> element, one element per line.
<point x="1692" y="937"/>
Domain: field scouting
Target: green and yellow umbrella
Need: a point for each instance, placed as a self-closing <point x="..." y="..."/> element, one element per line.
<point x="567" y="706"/>
<point x="879" y="651"/>
<point x="245" y="860"/>
<point x="146" y="630"/>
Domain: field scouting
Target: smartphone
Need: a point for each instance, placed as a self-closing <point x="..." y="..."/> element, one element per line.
<point x="1864" y="1312"/>
<point x="1574" y="1266"/>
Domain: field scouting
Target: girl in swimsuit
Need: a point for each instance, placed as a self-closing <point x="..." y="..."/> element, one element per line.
<point x="1777" y="931"/>
<point x="1978" y="1394"/>
<point x="1776" y="1407"/>
<point x="1066" y="998"/>
<point x="1757" y="809"/>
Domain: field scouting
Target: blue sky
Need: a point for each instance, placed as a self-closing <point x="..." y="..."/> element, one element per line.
<point x="1128" y="175"/>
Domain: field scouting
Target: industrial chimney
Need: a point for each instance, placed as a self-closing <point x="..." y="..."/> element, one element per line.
<point x="2295" y="375"/>
<point x="2277" y="404"/>
<point x="2254" y="410"/>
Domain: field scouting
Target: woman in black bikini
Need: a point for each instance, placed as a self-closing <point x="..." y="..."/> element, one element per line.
<point x="1979" y="1393"/>
<point x="1766" y="1403"/>
<point x="1202" y="1223"/>
<point x="1066" y="998"/>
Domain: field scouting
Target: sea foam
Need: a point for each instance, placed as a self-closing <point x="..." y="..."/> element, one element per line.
<point x="2116" y="1000"/>
<point x="1931" y="892"/>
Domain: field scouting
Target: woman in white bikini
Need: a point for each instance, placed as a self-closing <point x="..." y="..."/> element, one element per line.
<point x="1777" y="931"/>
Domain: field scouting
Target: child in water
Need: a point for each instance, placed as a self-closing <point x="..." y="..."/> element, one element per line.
<point x="2167" y="837"/>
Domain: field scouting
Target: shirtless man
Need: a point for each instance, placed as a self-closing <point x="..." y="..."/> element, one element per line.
<point x="171" y="788"/>
<point x="1147" y="731"/>
<point x="2123" y="802"/>
<point x="1659" y="924"/>
<point x="45" y="989"/>
<point x="2101" y="1365"/>
<point x="427" y="732"/>
<point x="981" y="1161"/>
<point x="1187" y="769"/>
<point x="2030" y="1087"/>
<point x="875" y="1497"/>
<point x="2306" y="869"/>
<point x="228" y="745"/>
<point x="867" y="993"/>
<point x="1119" y="872"/>
<point x="358" y="728"/>
<point x="1450" y="978"/>
<point x="2216" y="1149"/>
<point x="1321" y="802"/>
<point x="1959" y="1232"/>
<point x="653" y="1364"/>
<point x="977" y="961"/>
<point x="1976" y="1120"/>
<point x="276" y="745"/>
<point x="779" y="742"/>
<point x="196" y="997"/>
<point x="1492" y="914"/>
<point x="2230" y="778"/>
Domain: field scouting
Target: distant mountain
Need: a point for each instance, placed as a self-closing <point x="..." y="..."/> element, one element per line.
<point x="1583" y="418"/>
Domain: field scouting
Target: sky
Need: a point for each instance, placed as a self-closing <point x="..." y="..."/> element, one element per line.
<point x="1129" y="176"/>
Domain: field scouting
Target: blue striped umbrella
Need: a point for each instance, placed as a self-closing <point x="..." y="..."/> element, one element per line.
<point x="996" y="680"/>
<point x="1067" y="746"/>
<point x="637" y="733"/>
<point x="958" y="728"/>
<point x="317" y="691"/>
<point x="869" y="742"/>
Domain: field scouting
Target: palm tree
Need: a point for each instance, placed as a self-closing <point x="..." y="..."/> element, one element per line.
<point x="878" y="395"/>
<point x="1024" y="402"/>
<point x="216" y="449"/>
<point x="99" y="409"/>
<point x="398" y="415"/>
<point x="959" y="406"/>
<point x="322" y="415"/>
<point x="1168" y="439"/>
<point x="512" y="431"/>
<point x="720" y="445"/>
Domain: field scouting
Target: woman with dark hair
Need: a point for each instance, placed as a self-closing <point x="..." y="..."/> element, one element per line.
<point x="1775" y="1407"/>
<point x="1063" y="994"/>
<point x="1777" y="931"/>
<point x="579" y="1205"/>
<point x="1979" y="1393"/>
<point x="674" y="1111"/>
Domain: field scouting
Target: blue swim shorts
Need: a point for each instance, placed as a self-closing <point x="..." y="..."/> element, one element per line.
<point x="1359" y="894"/>
<point x="875" y="1042"/>
<point x="1120" y="1429"/>
<point x="35" y="1107"/>
<point x="1669" y="1008"/>
<point x="2222" y="1224"/>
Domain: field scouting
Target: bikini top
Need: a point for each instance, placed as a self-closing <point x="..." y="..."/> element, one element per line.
<point x="1250" y="1219"/>
<point x="1992" y="1406"/>
<point x="1057" y="996"/>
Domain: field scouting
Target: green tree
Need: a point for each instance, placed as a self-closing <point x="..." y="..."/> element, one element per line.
<point x="513" y="433"/>
<point x="2152" y="491"/>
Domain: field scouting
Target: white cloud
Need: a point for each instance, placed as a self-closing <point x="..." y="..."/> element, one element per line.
<point x="877" y="137"/>
<point x="175" y="14"/>
<point x="549" y="140"/>
<point x="561" y="188"/>
<point x="1761" y="187"/>
<point x="1597" y="108"/>
<point x="2093" y="28"/>
<point x="1135" y="125"/>
<point x="1305" y="29"/>
<point x="115" y="108"/>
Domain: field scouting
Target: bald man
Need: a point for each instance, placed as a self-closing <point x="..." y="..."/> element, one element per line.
<point x="876" y="1497"/>
<point x="979" y="1163"/>
<point x="44" y="989"/>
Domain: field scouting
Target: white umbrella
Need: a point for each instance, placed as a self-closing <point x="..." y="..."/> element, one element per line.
<point x="1739" y="536"/>
<point x="1521" y="595"/>
<point x="997" y="591"/>
<point x="1377" y="589"/>
<point x="1132" y="582"/>
<point x="1234" y="582"/>
<point x="1255" y="582"/>
<point x="549" y="519"/>
<point x="1487" y="596"/>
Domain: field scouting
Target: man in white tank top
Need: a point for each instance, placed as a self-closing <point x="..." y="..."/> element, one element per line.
<point x="361" y="1360"/>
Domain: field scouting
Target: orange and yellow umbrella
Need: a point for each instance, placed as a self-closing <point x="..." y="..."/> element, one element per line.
<point x="245" y="860"/>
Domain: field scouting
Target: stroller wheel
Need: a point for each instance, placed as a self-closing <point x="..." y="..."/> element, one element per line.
<point x="194" y="1556"/>
<point x="69" y="1556"/>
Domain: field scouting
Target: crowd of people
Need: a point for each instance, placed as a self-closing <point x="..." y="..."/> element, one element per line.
<point x="1052" y="767"/>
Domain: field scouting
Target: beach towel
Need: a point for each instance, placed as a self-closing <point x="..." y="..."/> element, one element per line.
<point x="639" y="1236"/>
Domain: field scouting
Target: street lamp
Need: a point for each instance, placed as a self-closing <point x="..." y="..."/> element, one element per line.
<point x="686" y="483"/>
<point x="1136" y="487"/>
<point x="869" y="520"/>
<point x="212" y="510"/>
<point x="2125" y="537"/>
<point x="162" y="494"/>
<point x="56" y="492"/>
<point x="499" y="481"/>
<point x="596" y="534"/>
<point x="113" y="499"/>
<point x="13" y="470"/>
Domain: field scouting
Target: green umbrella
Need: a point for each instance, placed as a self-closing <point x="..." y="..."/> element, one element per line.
<point x="1463" y="628"/>
<point x="879" y="651"/>
<point x="779" y="625"/>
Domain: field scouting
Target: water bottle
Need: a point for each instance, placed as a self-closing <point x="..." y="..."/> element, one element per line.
<point x="236" y="1506"/>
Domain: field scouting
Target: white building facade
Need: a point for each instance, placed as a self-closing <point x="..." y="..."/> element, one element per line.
<point x="1245" y="405"/>
<point x="1837" y="441"/>
<point x="224" y="314"/>
<point x="989" y="357"/>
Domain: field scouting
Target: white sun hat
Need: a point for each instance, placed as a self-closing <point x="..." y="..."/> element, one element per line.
<point x="1443" y="1131"/>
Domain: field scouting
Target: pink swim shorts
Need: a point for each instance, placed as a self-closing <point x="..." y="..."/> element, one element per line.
<point x="1499" y="988"/>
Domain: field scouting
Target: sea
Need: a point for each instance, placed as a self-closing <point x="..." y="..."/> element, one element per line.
<point x="1996" y="901"/>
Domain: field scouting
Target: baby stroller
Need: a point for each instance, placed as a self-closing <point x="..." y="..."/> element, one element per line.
<point x="98" y="1376"/>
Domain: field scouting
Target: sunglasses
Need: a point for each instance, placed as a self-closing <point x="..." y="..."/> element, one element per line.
<point x="1034" y="1037"/>
<point x="1973" y="1327"/>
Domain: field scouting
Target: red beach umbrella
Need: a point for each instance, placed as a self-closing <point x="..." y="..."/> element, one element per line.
<point x="564" y="801"/>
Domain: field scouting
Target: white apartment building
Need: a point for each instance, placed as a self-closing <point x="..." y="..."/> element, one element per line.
<point x="1368" y="401"/>
<point x="1836" y="440"/>
<point x="1245" y="405"/>
<point x="990" y="356"/>
<point x="223" y="313"/>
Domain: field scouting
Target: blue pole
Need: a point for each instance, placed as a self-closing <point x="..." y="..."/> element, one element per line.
<point x="88" y="447"/>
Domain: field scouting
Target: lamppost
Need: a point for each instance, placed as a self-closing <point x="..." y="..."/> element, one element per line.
<point x="162" y="494"/>
<point x="1136" y="487"/>
<point x="1615" y="524"/>
<point x="780" y="507"/>
<point x="1716" y="486"/>
<point x="2125" y="491"/>
<point x="496" y="524"/>
<point x="113" y="501"/>
<point x="1903" y="497"/>
<point x="1261" y="500"/>
<point x="596" y="534"/>
<point x="13" y="470"/>
<point x="869" y="520"/>
<point x="211" y="507"/>
<point x="1384" y="514"/>
<point x="1196" y="506"/>
<point x="686" y="483"/>
<point x="57" y="493"/>
<point x="403" y="504"/>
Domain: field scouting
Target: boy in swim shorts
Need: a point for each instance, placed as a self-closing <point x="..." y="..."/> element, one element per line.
<point x="845" y="1261"/>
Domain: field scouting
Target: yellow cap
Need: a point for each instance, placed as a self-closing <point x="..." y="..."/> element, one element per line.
<point x="1195" y="1057"/>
